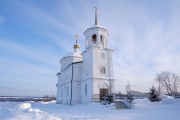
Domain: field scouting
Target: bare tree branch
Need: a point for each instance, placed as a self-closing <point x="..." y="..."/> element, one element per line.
<point x="168" y="81"/>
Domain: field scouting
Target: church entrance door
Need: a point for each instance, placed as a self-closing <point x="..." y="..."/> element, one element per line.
<point x="103" y="92"/>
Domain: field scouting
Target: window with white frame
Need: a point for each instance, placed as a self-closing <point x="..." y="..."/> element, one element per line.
<point x="101" y="40"/>
<point x="103" y="70"/>
<point x="85" y="89"/>
<point x="61" y="91"/>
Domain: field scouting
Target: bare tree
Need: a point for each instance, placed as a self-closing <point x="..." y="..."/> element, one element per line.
<point x="130" y="97"/>
<point x="168" y="81"/>
<point x="128" y="88"/>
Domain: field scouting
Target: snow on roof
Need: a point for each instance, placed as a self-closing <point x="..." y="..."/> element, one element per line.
<point x="95" y="26"/>
<point x="73" y="54"/>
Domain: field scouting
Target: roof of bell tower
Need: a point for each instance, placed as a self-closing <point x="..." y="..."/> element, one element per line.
<point x="96" y="25"/>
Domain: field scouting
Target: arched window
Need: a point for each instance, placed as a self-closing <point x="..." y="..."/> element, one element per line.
<point x="94" y="39"/>
<point x="67" y="90"/>
<point x="103" y="70"/>
<point x="61" y="91"/>
<point x="85" y="89"/>
<point x="101" y="39"/>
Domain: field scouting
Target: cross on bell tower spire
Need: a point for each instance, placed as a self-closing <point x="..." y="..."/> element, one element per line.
<point x="96" y="21"/>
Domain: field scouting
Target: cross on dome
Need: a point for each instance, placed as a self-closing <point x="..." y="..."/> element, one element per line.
<point x="76" y="37"/>
<point x="76" y="46"/>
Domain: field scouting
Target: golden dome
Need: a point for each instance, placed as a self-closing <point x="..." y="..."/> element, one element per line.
<point x="76" y="46"/>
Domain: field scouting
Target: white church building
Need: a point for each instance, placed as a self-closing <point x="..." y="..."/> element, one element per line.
<point x="87" y="76"/>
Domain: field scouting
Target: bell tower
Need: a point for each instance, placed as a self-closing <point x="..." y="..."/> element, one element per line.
<point x="96" y="35"/>
<point x="97" y="72"/>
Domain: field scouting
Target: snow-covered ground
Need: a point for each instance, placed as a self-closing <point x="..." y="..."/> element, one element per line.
<point x="168" y="109"/>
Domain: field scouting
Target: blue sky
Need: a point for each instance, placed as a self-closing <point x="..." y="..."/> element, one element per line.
<point x="35" y="34"/>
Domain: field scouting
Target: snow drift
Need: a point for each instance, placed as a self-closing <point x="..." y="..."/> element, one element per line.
<point x="24" y="111"/>
<point x="143" y="110"/>
<point x="23" y="106"/>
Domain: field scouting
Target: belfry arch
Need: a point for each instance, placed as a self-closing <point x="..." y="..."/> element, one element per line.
<point x="94" y="38"/>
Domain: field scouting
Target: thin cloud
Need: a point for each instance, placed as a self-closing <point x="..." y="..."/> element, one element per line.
<point x="38" y="53"/>
<point x="2" y="20"/>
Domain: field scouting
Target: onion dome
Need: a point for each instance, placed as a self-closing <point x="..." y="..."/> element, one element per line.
<point x="76" y="46"/>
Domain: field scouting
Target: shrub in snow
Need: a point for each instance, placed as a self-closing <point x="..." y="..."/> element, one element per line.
<point x="154" y="95"/>
<point x="130" y="98"/>
<point x="108" y="99"/>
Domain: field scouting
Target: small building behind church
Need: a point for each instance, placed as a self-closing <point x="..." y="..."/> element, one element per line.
<point x="87" y="76"/>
